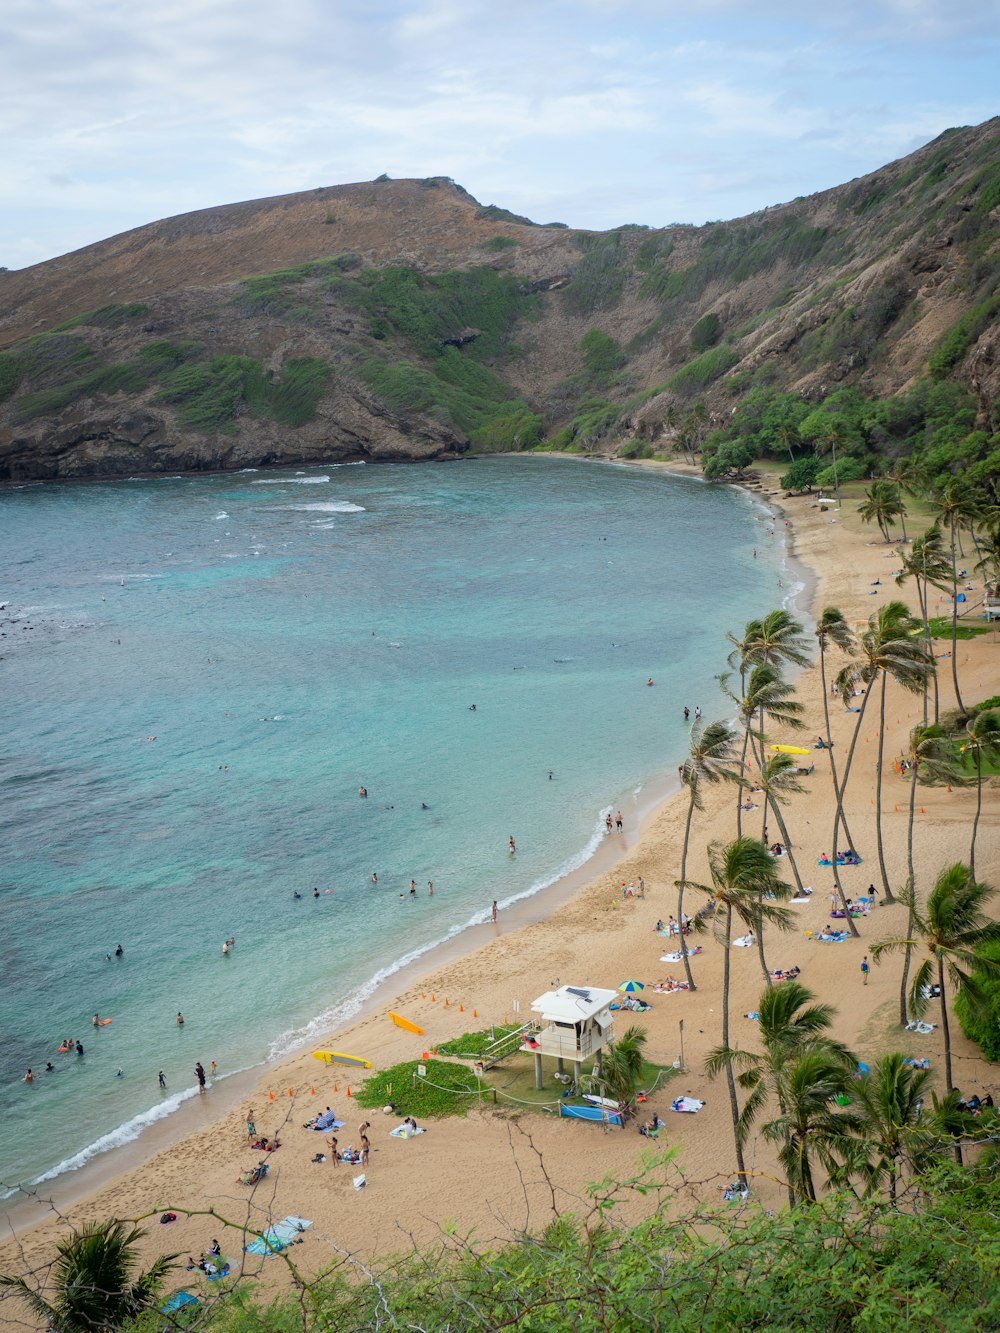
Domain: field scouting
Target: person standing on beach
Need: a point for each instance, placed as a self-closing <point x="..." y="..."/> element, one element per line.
<point x="618" y="821"/>
<point x="642" y="887"/>
<point x="364" y="1149"/>
<point x="199" y="1074"/>
<point x="864" y="970"/>
<point x="333" y="1152"/>
<point x="493" y="910"/>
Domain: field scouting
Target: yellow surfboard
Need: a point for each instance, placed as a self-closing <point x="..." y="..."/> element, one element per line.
<point x="339" y="1058"/>
<point x="790" y="749"/>
<point x="405" y="1023"/>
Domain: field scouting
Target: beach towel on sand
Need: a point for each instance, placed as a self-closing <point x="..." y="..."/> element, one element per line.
<point x="678" y="957"/>
<point x="689" y="1104"/>
<point x="917" y="1026"/>
<point x="279" y="1237"/>
<point x="744" y="942"/>
<point x="405" y="1131"/>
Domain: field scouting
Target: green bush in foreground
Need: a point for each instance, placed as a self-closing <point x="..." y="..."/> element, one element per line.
<point x="841" y="1266"/>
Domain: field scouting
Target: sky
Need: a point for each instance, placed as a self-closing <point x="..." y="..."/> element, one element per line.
<point x="590" y="112"/>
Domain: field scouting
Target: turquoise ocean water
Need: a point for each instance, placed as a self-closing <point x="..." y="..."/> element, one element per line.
<point x="287" y="637"/>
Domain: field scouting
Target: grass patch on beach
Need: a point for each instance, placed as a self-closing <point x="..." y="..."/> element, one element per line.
<point x="448" y="1089"/>
<point x="472" y="1045"/>
<point x="941" y="629"/>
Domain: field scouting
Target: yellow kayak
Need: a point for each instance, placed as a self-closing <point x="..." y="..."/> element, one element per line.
<point x="405" y="1023"/>
<point x="339" y="1058"/>
<point x="790" y="749"/>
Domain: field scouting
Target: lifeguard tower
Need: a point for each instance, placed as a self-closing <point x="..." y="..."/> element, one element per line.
<point x="576" y="1023"/>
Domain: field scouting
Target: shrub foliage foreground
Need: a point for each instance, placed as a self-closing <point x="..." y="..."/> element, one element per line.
<point x="927" y="1262"/>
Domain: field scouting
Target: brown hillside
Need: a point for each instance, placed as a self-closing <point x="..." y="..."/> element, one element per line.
<point x="400" y="319"/>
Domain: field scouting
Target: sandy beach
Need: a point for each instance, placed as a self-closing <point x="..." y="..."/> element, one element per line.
<point x="502" y="1169"/>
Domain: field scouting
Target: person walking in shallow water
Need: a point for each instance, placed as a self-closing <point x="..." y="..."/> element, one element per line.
<point x="511" y="845"/>
<point x="199" y="1074"/>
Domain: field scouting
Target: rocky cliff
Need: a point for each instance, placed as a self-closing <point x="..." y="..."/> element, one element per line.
<point x="404" y="320"/>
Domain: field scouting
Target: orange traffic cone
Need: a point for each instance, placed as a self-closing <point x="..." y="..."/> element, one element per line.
<point x="474" y="1014"/>
<point x="270" y="1096"/>
<point x="446" y="1002"/>
<point x="348" y="1091"/>
<point x="290" y="1093"/>
<point x="461" y="1008"/>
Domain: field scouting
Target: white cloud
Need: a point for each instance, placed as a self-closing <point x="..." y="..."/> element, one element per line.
<point x="114" y="114"/>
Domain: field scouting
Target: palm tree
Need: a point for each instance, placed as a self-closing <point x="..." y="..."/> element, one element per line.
<point x="952" y="929"/>
<point x="812" y="1123"/>
<point x="711" y="758"/>
<point x="912" y="673"/>
<point x="92" y="1282"/>
<point x="832" y="629"/>
<point x="885" y="646"/>
<point x="895" y="1127"/>
<point x="622" y="1065"/>
<point x="778" y="780"/>
<point x="743" y="876"/>
<point x="788" y="1024"/>
<point x="957" y="504"/>
<point x="770" y="642"/>
<point x="983" y="731"/>
<point x="926" y="564"/>
<point x="931" y="758"/>
<point x="882" y="504"/>
<point x="765" y="693"/>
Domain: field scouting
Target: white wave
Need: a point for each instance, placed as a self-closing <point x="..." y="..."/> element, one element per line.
<point x="342" y="1013"/>
<point x="123" y="1134"/>
<point x="326" y="507"/>
<point x="293" y="481"/>
<point x="222" y="515"/>
<point x="249" y="469"/>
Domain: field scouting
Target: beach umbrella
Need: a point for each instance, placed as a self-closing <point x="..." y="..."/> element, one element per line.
<point x="790" y="749"/>
<point x="630" y="987"/>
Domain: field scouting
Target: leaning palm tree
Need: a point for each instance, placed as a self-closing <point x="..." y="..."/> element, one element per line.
<point x="983" y="732"/>
<point x="895" y="1129"/>
<point x="788" y="1024"/>
<point x="832" y="630"/>
<point x="775" y="640"/>
<point x="952" y="929"/>
<point x="778" y="780"/>
<point x="882" y="504"/>
<point x="925" y="562"/>
<point x="764" y="695"/>
<point x="711" y="758"/>
<point x="886" y="646"/>
<point x="931" y="759"/>
<point x="743" y="877"/>
<point x="93" y="1284"/>
<point x="813" y="1125"/>
<point x="957" y="504"/>
<point x="911" y="671"/>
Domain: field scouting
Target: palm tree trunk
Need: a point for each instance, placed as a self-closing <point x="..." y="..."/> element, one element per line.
<point x="829" y="738"/>
<point x="759" y="931"/>
<point x="787" y="846"/>
<point x="911" y="889"/>
<point x="946" y="1034"/>
<point x="922" y="601"/>
<point x="739" y="789"/>
<point x="979" y="807"/>
<point x="886" y="890"/>
<point x="838" y="817"/>
<point x="954" y="620"/>
<point x="680" y="893"/>
<point x="734" y="1105"/>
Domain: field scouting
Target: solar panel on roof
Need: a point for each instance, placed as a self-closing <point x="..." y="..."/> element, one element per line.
<point x="575" y="990"/>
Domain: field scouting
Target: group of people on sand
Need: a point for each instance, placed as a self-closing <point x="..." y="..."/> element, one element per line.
<point x="352" y="1155"/>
